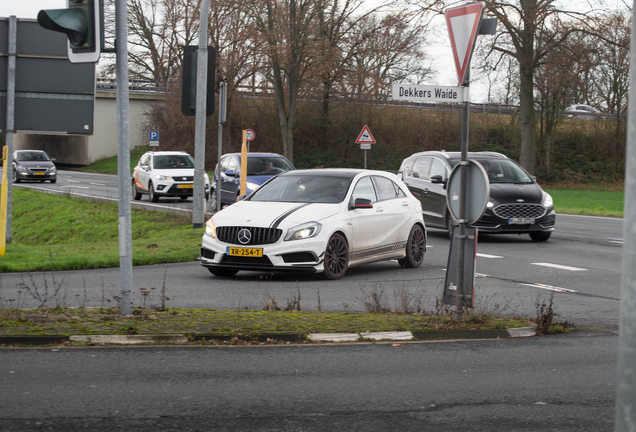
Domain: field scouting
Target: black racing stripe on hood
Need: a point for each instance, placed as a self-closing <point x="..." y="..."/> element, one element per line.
<point x="287" y="213"/>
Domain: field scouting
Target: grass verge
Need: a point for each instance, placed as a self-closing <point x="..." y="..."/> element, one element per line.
<point x="588" y="202"/>
<point x="107" y="321"/>
<point x="52" y="232"/>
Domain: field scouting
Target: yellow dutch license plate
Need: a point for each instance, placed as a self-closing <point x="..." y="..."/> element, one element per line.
<point x="245" y="252"/>
<point x="185" y="186"/>
<point x="38" y="173"/>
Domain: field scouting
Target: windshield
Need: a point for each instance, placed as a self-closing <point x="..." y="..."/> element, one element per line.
<point x="501" y="170"/>
<point x="267" y="165"/>
<point x="303" y="189"/>
<point x="32" y="156"/>
<point x="173" y="161"/>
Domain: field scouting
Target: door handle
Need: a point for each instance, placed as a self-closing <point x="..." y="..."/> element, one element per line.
<point x="379" y="209"/>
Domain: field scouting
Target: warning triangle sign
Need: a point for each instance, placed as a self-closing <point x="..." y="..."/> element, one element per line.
<point x="463" y="27"/>
<point x="365" y="136"/>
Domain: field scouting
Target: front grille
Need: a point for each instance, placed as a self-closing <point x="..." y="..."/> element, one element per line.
<point x="183" y="178"/>
<point x="180" y="191"/>
<point x="259" y="236"/>
<point x="506" y="211"/>
<point x="229" y="259"/>
<point x="37" y="169"/>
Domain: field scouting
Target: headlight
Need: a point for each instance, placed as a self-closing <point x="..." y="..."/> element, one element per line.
<point x="252" y="186"/>
<point x="547" y="200"/>
<point x="209" y="229"/>
<point x="304" y="231"/>
<point x="490" y="204"/>
<point x="162" y="177"/>
<point x="52" y="169"/>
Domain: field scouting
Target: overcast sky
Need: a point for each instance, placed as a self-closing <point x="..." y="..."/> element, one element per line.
<point x="440" y="51"/>
<point x="28" y="8"/>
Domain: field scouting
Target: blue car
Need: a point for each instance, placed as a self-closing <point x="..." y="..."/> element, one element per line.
<point x="260" y="168"/>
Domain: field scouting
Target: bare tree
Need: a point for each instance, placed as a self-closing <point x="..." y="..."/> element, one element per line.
<point x="526" y="34"/>
<point x="388" y="49"/>
<point x="288" y="29"/>
<point x="238" y="52"/>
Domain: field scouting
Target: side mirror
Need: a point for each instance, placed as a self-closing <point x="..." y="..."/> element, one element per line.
<point x="438" y="179"/>
<point x="145" y="167"/>
<point x="403" y="175"/>
<point x="240" y="198"/>
<point x="230" y="173"/>
<point x="361" y="203"/>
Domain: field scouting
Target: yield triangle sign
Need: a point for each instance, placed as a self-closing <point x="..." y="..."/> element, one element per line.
<point x="365" y="136"/>
<point x="463" y="27"/>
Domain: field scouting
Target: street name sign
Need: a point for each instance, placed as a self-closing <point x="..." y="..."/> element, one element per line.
<point x="427" y="93"/>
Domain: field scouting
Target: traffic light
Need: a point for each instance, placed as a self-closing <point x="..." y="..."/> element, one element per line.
<point x="81" y="22"/>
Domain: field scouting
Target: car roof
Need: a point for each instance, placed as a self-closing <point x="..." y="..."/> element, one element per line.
<point x="334" y="172"/>
<point x="167" y="153"/>
<point x="454" y="155"/>
<point x="252" y="154"/>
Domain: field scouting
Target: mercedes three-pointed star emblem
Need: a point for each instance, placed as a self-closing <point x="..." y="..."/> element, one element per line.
<point x="244" y="236"/>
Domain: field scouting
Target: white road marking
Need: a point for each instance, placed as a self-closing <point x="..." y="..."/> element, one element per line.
<point x="98" y="184"/>
<point x="481" y="275"/>
<point x="557" y="266"/>
<point x="616" y="241"/>
<point x="549" y="287"/>
<point x="488" y="256"/>
<point x="77" y="187"/>
<point x="75" y="181"/>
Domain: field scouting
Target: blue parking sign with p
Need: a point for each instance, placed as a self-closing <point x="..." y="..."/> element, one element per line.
<point x="154" y="138"/>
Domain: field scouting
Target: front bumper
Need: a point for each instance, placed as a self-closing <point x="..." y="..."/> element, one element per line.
<point x="492" y="224"/>
<point x="291" y="256"/>
<point x="35" y="176"/>
<point x="177" y="189"/>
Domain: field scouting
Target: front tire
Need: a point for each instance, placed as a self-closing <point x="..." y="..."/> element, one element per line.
<point x="415" y="248"/>
<point x="222" y="272"/>
<point x="540" y="236"/>
<point x="336" y="257"/>
<point x="15" y="177"/>
<point x="53" y="181"/>
<point x="135" y="193"/>
<point x="151" y="193"/>
<point x="212" y="201"/>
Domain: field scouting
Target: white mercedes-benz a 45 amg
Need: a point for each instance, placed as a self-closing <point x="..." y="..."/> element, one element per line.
<point x="319" y="220"/>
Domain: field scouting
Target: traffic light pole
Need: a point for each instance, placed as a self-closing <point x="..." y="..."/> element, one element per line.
<point x="13" y="31"/>
<point x="123" y="158"/>
<point x="626" y="400"/>
<point x="198" y="207"/>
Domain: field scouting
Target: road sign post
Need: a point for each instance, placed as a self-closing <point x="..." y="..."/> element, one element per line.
<point x="365" y="139"/>
<point x="463" y="27"/>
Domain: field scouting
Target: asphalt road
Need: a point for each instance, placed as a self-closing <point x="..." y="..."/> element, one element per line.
<point x="557" y="383"/>
<point x="580" y="266"/>
<point x="560" y="383"/>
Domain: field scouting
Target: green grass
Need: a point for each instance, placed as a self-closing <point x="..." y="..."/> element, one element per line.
<point x="588" y="202"/>
<point x="107" y="320"/>
<point x="109" y="165"/>
<point x="52" y="232"/>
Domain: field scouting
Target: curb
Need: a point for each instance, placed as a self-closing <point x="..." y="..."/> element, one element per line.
<point x="183" y="339"/>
